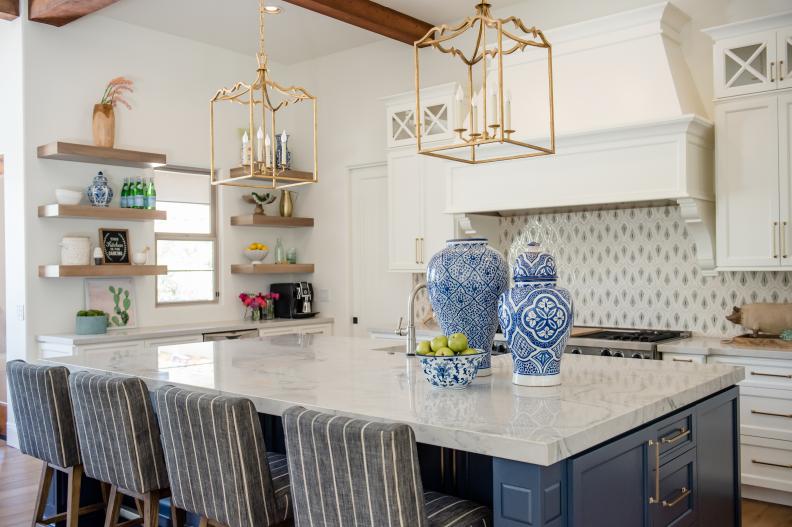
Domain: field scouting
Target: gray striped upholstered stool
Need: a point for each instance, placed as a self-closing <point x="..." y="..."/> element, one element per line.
<point x="353" y="472"/>
<point x="45" y="424"/>
<point x="217" y="460"/>
<point x="120" y="442"/>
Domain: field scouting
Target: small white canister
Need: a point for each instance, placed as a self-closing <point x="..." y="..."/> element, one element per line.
<point x="75" y="250"/>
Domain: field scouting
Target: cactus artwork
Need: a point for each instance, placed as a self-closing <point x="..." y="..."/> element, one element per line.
<point x="121" y="308"/>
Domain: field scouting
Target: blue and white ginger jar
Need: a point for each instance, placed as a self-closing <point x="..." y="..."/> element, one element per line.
<point x="464" y="281"/>
<point x="536" y="318"/>
<point x="99" y="193"/>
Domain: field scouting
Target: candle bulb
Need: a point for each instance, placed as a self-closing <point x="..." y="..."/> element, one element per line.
<point x="260" y="145"/>
<point x="460" y="109"/>
<point x="473" y="117"/>
<point x="493" y="112"/>
<point x="507" y="111"/>
<point x="267" y="151"/>
<point x="245" y="149"/>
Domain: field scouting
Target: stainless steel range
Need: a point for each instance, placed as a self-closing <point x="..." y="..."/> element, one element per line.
<point x="627" y="343"/>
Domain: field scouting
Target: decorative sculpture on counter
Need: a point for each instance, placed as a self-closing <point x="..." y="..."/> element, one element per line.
<point x="536" y="317"/>
<point x="464" y="281"/>
<point x="765" y="319"/>
<point x="259" y="200"/>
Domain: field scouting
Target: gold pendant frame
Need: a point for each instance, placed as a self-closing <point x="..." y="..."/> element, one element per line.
<point x="440" y="38"/>
<point x="258" y="97"/>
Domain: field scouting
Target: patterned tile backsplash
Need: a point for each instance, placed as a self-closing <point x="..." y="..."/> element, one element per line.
<point x="635" y="268"/>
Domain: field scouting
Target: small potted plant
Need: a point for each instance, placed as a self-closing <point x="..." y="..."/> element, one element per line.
<point x="91" y="322"/>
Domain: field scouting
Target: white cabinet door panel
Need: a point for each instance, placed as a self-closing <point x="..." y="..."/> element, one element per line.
<point x="747" y="183"/>
<point x="745" y="64"/>
<point x="405" y="222"/>
<point x="785" y="176"/>
<point x="784" y="56"/>
<point x="437" y="225"/>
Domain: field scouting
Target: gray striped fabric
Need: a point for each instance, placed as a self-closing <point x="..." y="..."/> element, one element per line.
<point x="119" y="436"/>
<point x="43" y="412"/>
<point x="351" y="472"/>
<point x="217" y="460"/>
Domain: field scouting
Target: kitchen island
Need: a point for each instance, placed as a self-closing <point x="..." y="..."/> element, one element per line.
<point x="620" y="442"/>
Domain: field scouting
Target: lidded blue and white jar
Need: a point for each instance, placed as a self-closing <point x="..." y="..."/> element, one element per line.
<point x="99" y="193"/>
<point x="536" y="318"/>
<point x="464" y="281"/>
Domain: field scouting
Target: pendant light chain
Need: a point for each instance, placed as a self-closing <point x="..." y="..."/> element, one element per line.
<point x="261" y="53"/>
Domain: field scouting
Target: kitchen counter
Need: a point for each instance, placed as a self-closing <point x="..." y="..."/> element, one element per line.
<point x="600" y="397"/>
<point x="175" y="330"/>
<point x="721" y="346"/>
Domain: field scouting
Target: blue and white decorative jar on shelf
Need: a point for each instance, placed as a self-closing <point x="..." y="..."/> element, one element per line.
<point x="536" y="318"/>
<point x="464" y="281"/>
<point x="99" y="193"/>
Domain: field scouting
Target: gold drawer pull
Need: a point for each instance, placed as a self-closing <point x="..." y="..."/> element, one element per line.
<point x="673" y="439"/>
<point x="774" y="414"/>
<point x="780" y="465"/>
<point x="763" y="374"/>
<point x="682" y="360"/>
<point x="684" y="492"/>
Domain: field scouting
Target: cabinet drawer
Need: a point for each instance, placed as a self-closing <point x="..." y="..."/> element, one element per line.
<point x="676" y="434"/>
<point x="677" y="493"/>
<point x="768" y="373"/>
<point x="769" y="417"/>
<point x="767" y="466"/>
<point x="681" y="357"/>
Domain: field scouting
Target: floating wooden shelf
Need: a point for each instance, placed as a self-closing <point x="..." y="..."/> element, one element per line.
<point x="272" y="269"/>
<point x="63" y="271"/>
<point x="100" y="155"/>
<point x="260" y="220"/>
<point x="55" y="210"/>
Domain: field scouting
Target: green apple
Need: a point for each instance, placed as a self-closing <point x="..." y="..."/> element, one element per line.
<point x="458" y="342"/>
<point x="439" y="342"/>
<point x="445" y="352"/>
<point x="424" y="347"/>
<point x="468" y="351"/>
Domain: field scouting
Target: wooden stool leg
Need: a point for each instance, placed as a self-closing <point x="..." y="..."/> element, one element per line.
<point x="113" y="506"/>
<point x="73" y="499"/>
<point x="204" y="522"/>
<point x="151" y="509"/>
<point x="43" y="492"/>
<point x="178" y="516"/>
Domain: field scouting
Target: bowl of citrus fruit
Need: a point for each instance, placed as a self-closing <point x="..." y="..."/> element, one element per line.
<point x="448" y="362"/>
<point x="256" y="252"/>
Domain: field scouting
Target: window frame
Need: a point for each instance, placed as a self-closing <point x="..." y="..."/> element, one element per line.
<point x="212" y="236"/>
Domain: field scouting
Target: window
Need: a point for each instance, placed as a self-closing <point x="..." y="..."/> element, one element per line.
<point x="187" y="241"/>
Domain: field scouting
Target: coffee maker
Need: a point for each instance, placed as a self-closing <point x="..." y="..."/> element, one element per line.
<point x="295" y="301"/>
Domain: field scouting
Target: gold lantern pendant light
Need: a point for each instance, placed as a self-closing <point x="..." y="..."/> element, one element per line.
<point x="265" y="99"/>
<point x="483" y="130"/>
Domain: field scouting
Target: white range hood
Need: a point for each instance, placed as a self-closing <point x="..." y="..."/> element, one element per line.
<point x="628" y="130"/>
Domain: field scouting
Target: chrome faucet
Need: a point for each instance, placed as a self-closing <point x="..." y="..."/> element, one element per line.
<point x="412" y="344"/>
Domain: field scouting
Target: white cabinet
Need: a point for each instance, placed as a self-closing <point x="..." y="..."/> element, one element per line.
<point x="417" y="225"/>
<point x="747" y="183"/>
<point x="305" y="329"/>
<point x="436" y="115"/>
<point x="170" y="341"/>
<point x="752" y="56"/>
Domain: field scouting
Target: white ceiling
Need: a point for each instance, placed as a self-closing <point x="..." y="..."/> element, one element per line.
<point x="293" y="36"/>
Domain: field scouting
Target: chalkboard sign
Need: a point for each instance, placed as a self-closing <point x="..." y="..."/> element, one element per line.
<point x="115" y="245"/>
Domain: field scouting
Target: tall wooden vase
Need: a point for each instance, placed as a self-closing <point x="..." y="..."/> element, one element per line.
<point x="104" y="125"/>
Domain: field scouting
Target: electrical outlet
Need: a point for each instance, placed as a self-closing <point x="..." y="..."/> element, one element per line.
<point x="20" y="312"/>
<point x="324" y="295"/>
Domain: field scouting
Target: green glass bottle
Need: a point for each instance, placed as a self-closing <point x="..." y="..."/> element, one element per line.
<point x="139" y="198"/>
<point x="124" y="193"/>
<point x="150" y="195"/>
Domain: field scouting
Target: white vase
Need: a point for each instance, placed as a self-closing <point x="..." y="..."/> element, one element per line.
<point x="75" y="250"/>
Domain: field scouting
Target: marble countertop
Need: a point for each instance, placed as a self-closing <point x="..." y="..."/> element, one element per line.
<point x="600" y="397"/>
<point x="721" y="346"/>
<point x="176" y="330"/>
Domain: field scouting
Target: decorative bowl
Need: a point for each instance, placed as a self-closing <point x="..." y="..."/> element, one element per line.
<point x="140" y="257"/>
<point x="256" y="256"/>
<point x="457" y="371"/>
<point x="65" y="196"/>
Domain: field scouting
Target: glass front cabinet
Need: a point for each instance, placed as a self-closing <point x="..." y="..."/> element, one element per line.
<point x="436" y="118"/>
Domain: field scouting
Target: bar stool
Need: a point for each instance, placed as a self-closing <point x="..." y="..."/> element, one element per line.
<point x="217" y="460"/>
<point x="354" y="472"/>
<point x="120" y="443"/>
<point x="45" y="425"/>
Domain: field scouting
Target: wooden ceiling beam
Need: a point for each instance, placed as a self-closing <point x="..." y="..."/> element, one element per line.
<point x="9" y="9"/>
<point x="61" y="12"/>
<point x="371" y="16"/>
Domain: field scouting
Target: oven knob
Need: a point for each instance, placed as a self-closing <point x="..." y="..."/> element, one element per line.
<point x="637" y="356"/>
<point x="606" y="352"/>
<point x="576" y="351"/>
<point x="618" y="354"/>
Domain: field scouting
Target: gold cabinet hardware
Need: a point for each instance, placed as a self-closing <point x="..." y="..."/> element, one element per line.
<point x="769" y="464"/>
<point x="783" y="240"/>
<point x="772" y="71"/>
<point x="684" y="492"/>
<point x="416" y="252"/>
<point x="682" y="360"/>
<point x="780" y="375"/>
<point x="421" y="250"/>
<point x="775" y="239"/>
<point x="780" y="70"/>
<point x="656" y="497"/>
<point x="773" y="414"/>
<point x="683" y="432"/>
